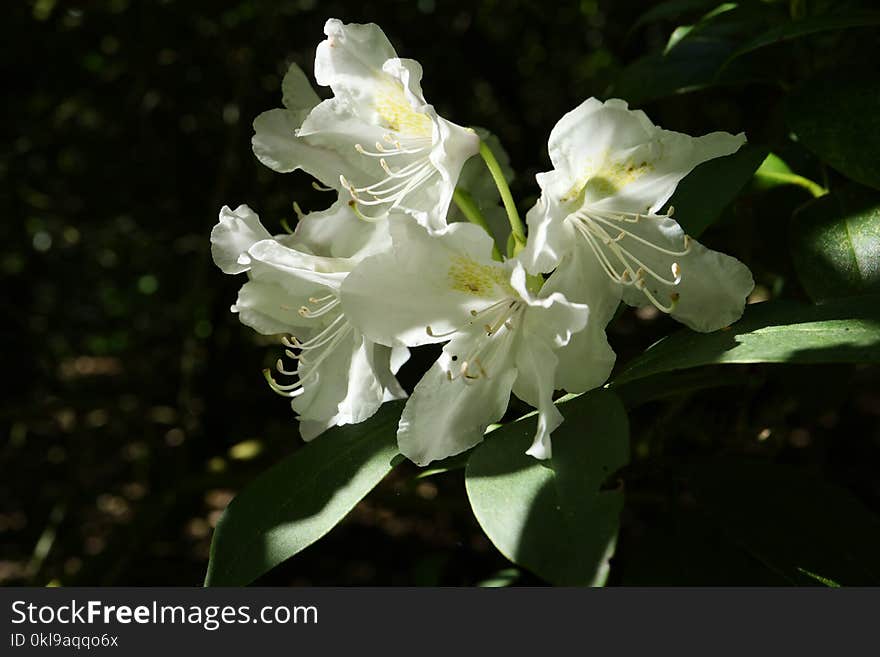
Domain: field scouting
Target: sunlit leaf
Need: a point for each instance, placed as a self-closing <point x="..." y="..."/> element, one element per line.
<point x="836" y="244"/>
<point x="553" y="517"/>
<point x="842" y="331"/>
<point x="774" y="172"/>
<point x="296" y="502"/>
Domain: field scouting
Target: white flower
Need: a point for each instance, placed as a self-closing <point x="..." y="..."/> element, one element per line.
<point x="502" y="337"/>
<point x="382" y="141"/>
<point x="598" y="220"/>
<point x="337" y="231"/>
<point x="341" y="377"/>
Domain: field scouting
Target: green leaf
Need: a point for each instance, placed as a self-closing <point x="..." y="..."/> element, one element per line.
<point x="694" y="60"/>
<point x="841" y="331"/>
<point x="774" y="172"/>
<point x="707" y="190"/>
<point x="806" y="27"/>
<point x="675" y="384"/>
<point x="296" y="502"/>
<point x="671" y="9"/>
<point x="681" y="547"/>
<point x="795" y="523"/>
<point x="838" y="119"/>
<point x="836" y="244"/>
<point x="553" y="517"/>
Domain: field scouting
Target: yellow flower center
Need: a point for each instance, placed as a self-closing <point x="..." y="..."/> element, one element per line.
<point x="471" y="277"/>
<point x="397" y="113"/>
<point x="607" y="178"/>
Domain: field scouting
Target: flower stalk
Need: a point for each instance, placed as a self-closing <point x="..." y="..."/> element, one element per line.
<point x="469" y="209"/>
<point x="516" y="225"/>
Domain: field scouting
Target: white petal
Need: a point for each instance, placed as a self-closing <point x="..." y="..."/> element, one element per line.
<point x="284" y="280"/>
<point x="233" y="235"/>
<point x="606" y="155"/>
<point x="536" y="367"/>
<point x="444" y="417"/>
<point x="454" y="147"/>
<point x="351" y="56"/>
<point x="550" y="237"/>
<point x="713" y="286"/>
<point x="268" y="308"/>
<point x="276" y="145"/>
<point x="425" y="280"/>
<point x="587" y="360"/>
<point x="299" y="272"/>
<point x="338" y="232"/>
<point x="347" y="387"/>
<point x="549" y="317"/>
<point x="670" y="157"/>
<point x="584" y="137"/>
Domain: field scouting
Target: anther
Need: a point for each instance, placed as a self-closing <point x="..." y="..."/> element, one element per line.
<point x="676" y="272"/>
<point x="430" y="332"/>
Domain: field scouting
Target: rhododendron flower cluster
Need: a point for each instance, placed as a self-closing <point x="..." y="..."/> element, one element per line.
<point x="394" y="264"/>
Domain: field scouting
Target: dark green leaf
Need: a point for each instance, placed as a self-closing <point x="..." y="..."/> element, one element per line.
<point x="675" y="384"/>
<point x="694" y="61"/>
<point x="794" y="523"/>
<point x="552" y="517"/>
<point x="296" y="502"/>
<point x="672" y="9"/>
<point x="838" y="119"/>
<point x="806" y="27"/>
<point x="836" y="244"/>
<point x="683" y="548"/>
<point x="708" y="189"/>
<point x="842" y="331"/>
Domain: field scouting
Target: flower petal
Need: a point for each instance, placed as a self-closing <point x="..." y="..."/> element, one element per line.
<point x="425" y="280"/>
<point x="606" y="155"/>
<point x="338" y="232"/>
<point x="268" y="308"/>
<point x="549" y="317"/>
<point x="276" y="145"/>
<point x="348" y="386"/>
<point x="712" y="289"/>
<point x="351" y="56"/>
<point x="587" y="360"/>
<point x="550" y="237"/>
<point x="236" y="231"/>
<point x="444" y="417"/>
<point x="536" y="367"/>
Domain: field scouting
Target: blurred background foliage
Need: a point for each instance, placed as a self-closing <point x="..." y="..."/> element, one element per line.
<point x="134" y="407"/>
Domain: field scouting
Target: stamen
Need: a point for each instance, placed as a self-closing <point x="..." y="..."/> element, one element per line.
<point x="308" y="313"/>
<point x="321" y="188"/>
<point x="431" y="332"/>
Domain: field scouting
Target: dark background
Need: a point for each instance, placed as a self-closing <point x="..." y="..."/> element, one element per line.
<point x="133" y="404"/>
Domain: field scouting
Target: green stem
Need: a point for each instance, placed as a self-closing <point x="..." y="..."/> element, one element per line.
<point x="469" y="209"/>
<point x="516" y="226"/>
